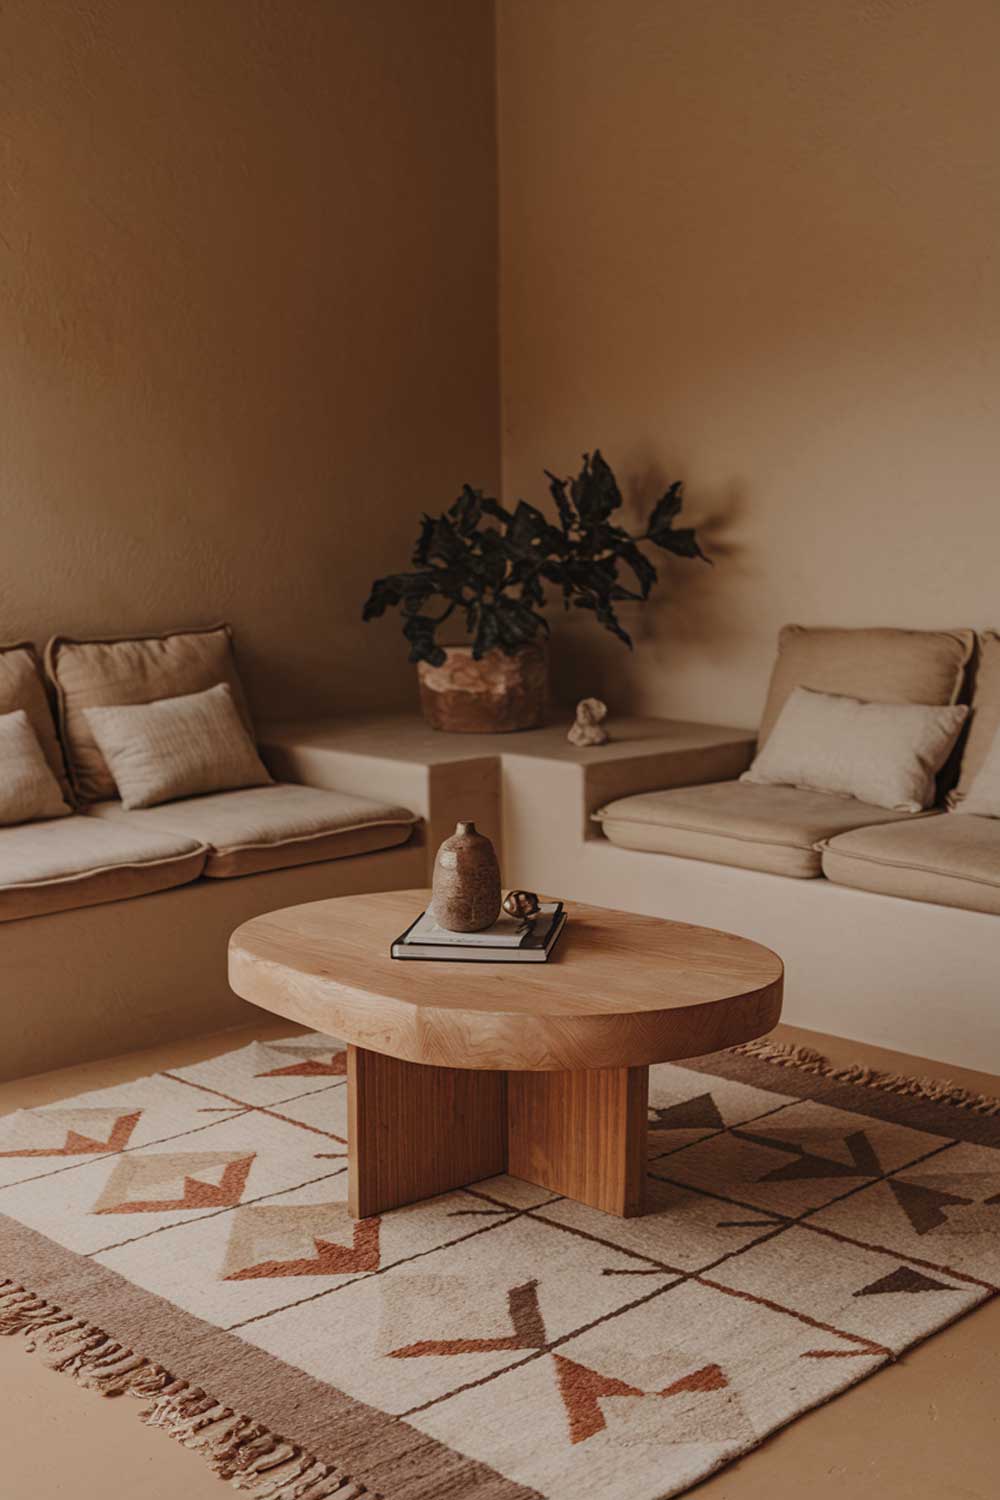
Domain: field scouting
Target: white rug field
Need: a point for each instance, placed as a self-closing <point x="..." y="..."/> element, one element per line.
<point x="185" y="1238"/>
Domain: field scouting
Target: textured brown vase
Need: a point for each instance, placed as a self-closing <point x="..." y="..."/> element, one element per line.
<point x="466" y="896"/>
<point x="495" y="695"/>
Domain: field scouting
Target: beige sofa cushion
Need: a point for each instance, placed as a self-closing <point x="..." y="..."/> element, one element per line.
<point x="984" y="721"/>
<point x="22" y="685"/>
<point x="983" y="796"/>
<point x="878" y="665"/>
<point x="177" y="747"/>
<point x="28" y="787"/>
<point x="773" y="828"/>
<point x="48" y="867"/>
<point x="885" y="754"/>
<point x="948" y="860"/>
<point x="267" y="828"/>
<point x="90" y="674"/>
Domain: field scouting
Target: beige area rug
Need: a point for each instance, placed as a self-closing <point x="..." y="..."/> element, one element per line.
<point x="185" y="1238"/>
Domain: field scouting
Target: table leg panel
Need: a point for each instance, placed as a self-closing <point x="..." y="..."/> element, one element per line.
<point x="582" y="1134"/>
<point x="415" y="1131"/>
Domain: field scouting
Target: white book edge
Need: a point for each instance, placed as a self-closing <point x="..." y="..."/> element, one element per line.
<point x="506" y="932"/>
<point x="454" y="953"/>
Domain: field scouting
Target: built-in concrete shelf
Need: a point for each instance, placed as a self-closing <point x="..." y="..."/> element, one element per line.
<point x="523" y="790"/>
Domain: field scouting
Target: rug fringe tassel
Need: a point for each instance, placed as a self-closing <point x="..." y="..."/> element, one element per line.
<point x="939" y="1091"/>
<point x="239" y="1449"/>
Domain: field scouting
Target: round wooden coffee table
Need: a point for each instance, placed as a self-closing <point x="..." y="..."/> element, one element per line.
<point x="459" y="1071"/>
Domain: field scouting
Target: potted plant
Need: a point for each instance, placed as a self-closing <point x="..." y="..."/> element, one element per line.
<point x="488" y="566"/>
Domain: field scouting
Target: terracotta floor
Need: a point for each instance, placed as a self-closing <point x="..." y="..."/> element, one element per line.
<point x="927" y="1428"/>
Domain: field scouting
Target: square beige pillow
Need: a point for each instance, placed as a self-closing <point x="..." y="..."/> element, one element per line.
<point x="22" y="685"/>
<point x="91" y="674"/>
<point x="984" y="720"/>
<point x="983" y="795"/>
<point x="178" y="747"/>
<point x="885" y="754"/>
<point x="28" y="787"/>
<point x="876" y="665"/>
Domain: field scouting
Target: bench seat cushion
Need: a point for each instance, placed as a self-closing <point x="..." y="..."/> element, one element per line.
<point x="70" y="862"/>
<point x="271" y="827"/>
<point x="946" y="859"/>
<point x="772" y="828"/>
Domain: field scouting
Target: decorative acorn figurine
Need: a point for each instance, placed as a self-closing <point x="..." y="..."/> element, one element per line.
<point x="466" y="894"/>
<point x="520" y="904"/>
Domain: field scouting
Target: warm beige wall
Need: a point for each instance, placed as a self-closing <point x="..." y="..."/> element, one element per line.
<point x="247" y="317"/>
<point x="754" y="244"/>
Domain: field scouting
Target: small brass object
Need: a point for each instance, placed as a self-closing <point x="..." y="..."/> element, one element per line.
<point x="520" y="903"/>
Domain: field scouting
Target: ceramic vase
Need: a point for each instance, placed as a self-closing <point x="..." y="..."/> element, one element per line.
<point x="466" y="894"/>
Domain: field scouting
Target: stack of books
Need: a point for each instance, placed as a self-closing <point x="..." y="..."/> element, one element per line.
<point x="512" y="940"/>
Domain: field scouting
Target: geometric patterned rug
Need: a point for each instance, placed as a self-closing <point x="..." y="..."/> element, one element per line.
<point x="185" y="1238"/>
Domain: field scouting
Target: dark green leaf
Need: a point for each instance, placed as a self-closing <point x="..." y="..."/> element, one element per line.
<point x="645" y="572"/>
<point x="595" y="490"/>
<point x="682" y="543"/>
<point x="467" y="510"/>
<point x="419" y="631"/>
<point x="667" y="508"/>
<point x="557" y="489"/>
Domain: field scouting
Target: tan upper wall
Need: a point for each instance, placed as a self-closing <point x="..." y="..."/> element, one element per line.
<point x="247" y="318"/>
<point x="753" y="244"/>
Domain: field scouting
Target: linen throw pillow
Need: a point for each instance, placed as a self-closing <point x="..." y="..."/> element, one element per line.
<point x="22" y="685"/>
<point x="984" y="720"/>
<point x="144" y="669"/>
<point x="878" y="665"/>
<point x="983" y="796"/>
<point x="885" y="754"/>
<point x="28" y="787"/>
<point x="177" y="747"/>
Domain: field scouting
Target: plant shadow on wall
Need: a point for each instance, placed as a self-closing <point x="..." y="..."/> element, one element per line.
<point x="485" y="570"/>
<point x="688" y="627"/>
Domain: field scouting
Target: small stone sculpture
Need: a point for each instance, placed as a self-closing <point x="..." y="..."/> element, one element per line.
<point x="466" y="891"/>
<point x="520" y="903"/>
<point x="589" y="728"/>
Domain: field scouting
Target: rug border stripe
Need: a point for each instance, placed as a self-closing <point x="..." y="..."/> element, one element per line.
<point x="384" y="1453"/>
<point x="934" y="1116"/>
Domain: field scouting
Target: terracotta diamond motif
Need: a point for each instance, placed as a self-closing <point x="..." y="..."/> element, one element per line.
<point x="156" y="1183"/>
<point x="80" y="1132"/>
<point x="299" y="1239"/>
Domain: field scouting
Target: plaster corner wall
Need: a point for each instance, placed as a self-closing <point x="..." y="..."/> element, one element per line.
<point x="247" y="318"/>
<point x="753" y="244"/>
<point x="249" y="327"/>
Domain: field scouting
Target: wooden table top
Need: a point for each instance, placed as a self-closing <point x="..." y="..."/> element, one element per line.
<point x="619" y="990"/>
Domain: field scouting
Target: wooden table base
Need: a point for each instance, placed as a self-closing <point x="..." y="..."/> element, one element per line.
<point x="417" y="1130"/>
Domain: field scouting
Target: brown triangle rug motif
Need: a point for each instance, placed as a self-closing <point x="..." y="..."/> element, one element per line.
<point x="806" y="1225"/>
<point x="79" y="1132"/>
<point x="309" y="1062"/>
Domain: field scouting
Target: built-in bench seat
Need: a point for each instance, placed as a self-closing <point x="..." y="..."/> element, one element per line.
<point x="114" y="919"/>
<point x="268" y="827"/>
<point x="71" y="862"/>
<point x="949" y="859"/>
<point x="108" y="854"/>
<point x="773" y="828"/>
<point x="898" y="944"/>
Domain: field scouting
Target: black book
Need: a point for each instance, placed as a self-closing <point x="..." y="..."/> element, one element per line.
<point x="513" y="941"/>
